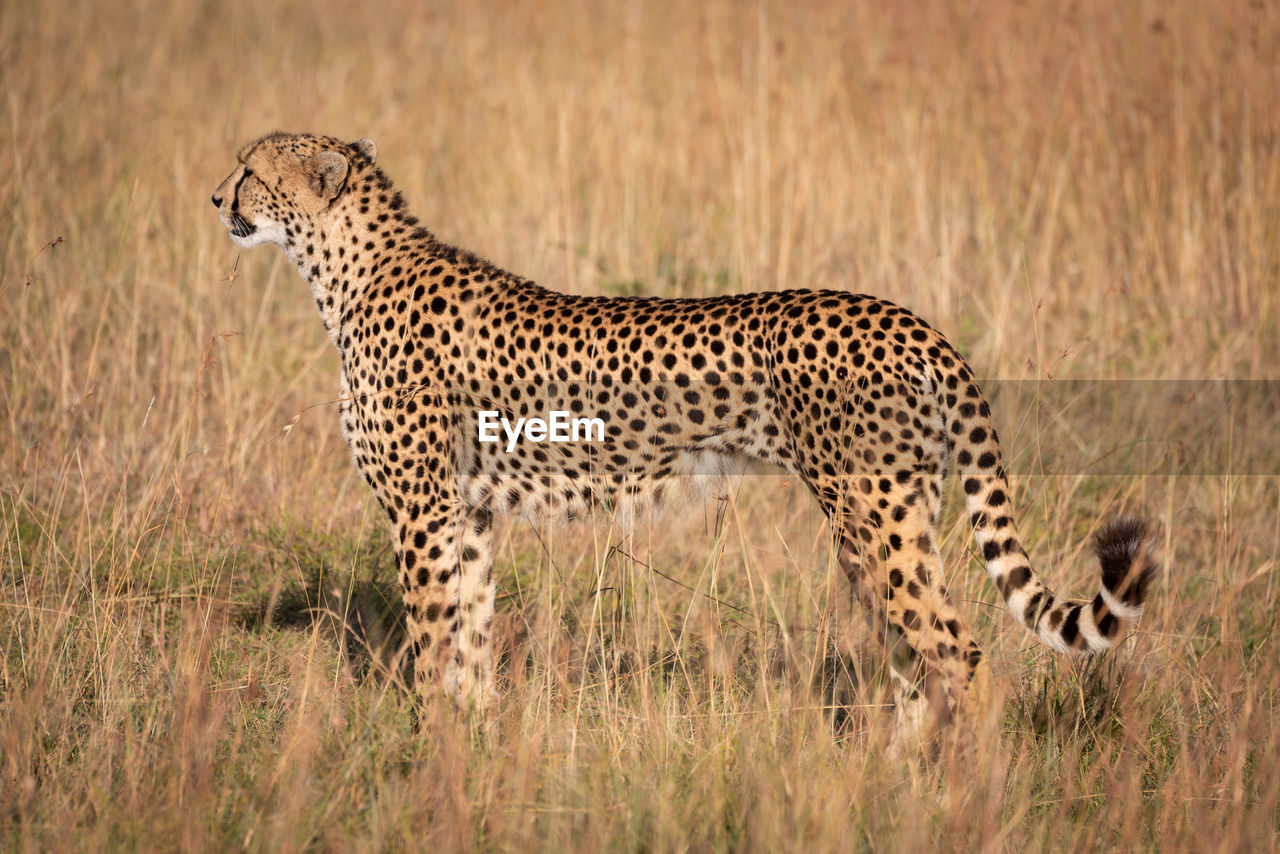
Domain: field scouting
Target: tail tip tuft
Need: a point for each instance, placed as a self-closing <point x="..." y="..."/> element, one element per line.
<point x="1126" y="551"/>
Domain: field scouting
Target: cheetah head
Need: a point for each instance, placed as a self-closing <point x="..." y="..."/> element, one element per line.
<point x="284" y="185"/>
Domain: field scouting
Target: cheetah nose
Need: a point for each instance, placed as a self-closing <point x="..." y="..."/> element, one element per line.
<point x="217" y="201"/>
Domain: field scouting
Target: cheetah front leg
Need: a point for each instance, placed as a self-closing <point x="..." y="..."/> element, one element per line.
<point x="444" y="552"/>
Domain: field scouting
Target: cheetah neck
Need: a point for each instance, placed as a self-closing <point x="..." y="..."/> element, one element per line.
<point x="354" y="248"/>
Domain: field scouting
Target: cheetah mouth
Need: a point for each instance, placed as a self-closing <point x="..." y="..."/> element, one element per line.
<point x="241" y="227"/>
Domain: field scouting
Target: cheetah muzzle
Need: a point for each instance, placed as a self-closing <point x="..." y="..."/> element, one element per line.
<point x="239" y="227"/>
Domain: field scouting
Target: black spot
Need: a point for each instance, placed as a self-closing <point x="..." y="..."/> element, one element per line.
<point x="1018" y="578"/>
<point x="1071" y="626"/>
<point x="1031" y="613"/>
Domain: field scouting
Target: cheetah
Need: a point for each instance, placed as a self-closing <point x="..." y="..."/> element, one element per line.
<point x="855" y="396"/>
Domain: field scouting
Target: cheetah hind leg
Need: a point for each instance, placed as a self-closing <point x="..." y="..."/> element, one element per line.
<point x="928" y="652"/>
<point x="910" y="720"/>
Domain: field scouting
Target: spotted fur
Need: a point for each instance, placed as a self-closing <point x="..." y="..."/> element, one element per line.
<point x="859" y="398"/>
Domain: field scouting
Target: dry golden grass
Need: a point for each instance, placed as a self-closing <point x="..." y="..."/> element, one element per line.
<point x="1085" y="190"/>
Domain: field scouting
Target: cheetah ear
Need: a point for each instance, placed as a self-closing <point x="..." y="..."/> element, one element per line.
<point x="328" y="172"/>
<point x="367" y="148"/>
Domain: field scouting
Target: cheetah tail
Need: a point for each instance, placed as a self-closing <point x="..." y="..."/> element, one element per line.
<point x="1126" y="551"/>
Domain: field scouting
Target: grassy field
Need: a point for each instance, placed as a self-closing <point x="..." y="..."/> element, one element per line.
<point x="197" y="606"/>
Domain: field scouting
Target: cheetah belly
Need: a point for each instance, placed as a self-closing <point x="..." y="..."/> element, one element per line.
<point x="542" y="496"/>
